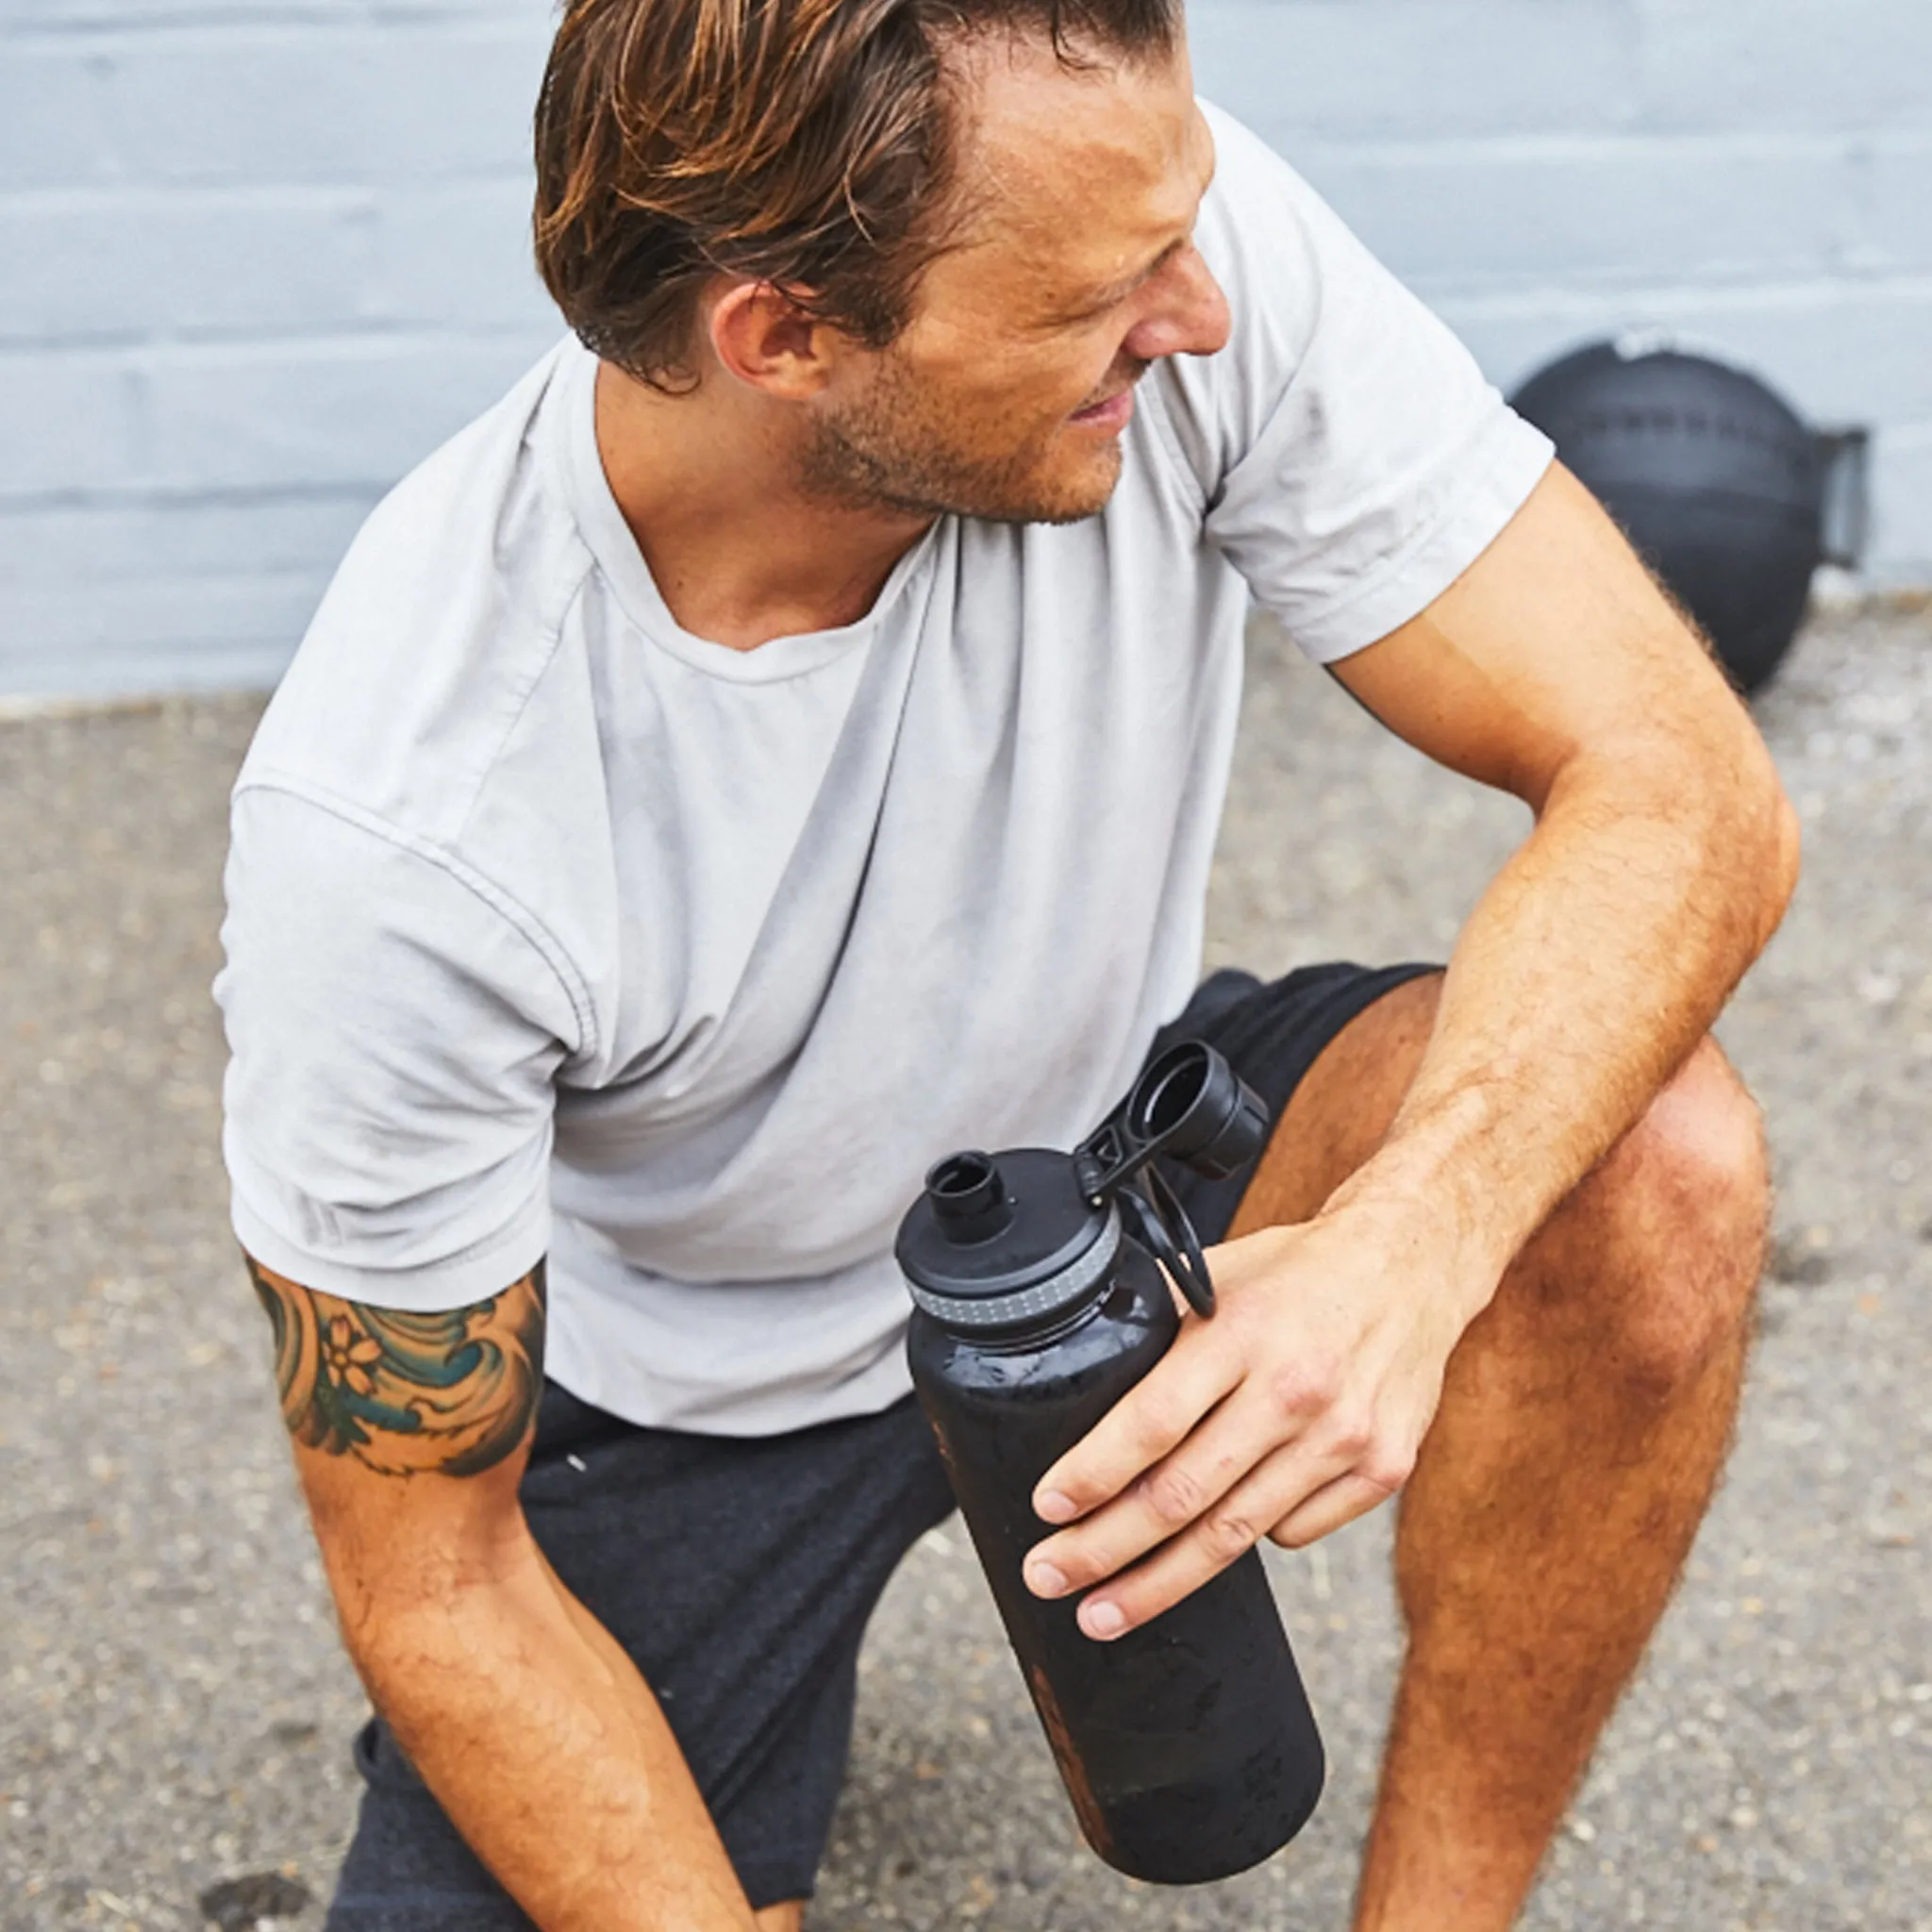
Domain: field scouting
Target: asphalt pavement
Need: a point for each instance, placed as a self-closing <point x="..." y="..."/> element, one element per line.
<point x="175" y="1710"/>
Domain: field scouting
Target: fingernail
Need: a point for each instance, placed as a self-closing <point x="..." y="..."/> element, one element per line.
<point x="1042" y="1579"/>
<point x="1102" y="1619"/>
<point x="1054" y="1508"/>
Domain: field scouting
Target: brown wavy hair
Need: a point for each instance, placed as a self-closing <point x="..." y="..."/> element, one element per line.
<point x="808" y="144"/>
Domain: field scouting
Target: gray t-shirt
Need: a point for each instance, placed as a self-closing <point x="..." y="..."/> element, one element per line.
<point x="554" y="928"/>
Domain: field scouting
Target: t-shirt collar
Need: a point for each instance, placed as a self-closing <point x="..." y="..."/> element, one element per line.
<point x="569" y="423"/>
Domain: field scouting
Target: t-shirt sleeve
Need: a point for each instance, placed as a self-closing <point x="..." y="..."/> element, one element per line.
<point x="395" y="1032"/>
<point x="1352" y="461"/>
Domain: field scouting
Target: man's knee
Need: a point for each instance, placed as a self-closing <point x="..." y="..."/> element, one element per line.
<point x="1679" y="1209"/>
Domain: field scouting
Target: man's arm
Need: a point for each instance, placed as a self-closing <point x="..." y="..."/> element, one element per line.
<point x="526" y="1719"/>
<point x="1663" y="853"/>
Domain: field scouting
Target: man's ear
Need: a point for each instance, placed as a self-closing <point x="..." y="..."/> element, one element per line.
<point x="763" y="337"/>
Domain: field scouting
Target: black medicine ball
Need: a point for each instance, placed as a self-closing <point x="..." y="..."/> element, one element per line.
<point x="1714" y="478"/>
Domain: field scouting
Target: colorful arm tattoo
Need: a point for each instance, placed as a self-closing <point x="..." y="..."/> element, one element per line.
<point x="404" y="1393"/>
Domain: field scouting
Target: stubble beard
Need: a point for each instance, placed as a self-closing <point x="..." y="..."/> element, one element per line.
<point x="892" y="452"/>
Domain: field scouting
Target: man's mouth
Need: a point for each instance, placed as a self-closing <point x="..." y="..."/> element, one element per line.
<point x="1112" y="412"/>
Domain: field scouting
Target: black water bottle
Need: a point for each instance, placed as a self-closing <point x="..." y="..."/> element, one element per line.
<point x="1187" y="1746"/>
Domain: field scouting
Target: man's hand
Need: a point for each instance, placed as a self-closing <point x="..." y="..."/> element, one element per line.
<point x="1298" y="1407"/>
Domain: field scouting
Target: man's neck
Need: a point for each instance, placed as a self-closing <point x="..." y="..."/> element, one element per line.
<point x="740" y="553"/>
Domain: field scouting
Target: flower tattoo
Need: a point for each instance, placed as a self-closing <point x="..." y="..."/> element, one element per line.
<point x="348" y="1356"/>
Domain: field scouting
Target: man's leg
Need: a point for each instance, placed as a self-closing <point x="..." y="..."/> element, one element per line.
<point x="785" y="1918"/>
<point x="1584" y="1420"/>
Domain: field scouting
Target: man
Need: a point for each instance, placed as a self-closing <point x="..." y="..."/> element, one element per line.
<point x="782" y="741"/>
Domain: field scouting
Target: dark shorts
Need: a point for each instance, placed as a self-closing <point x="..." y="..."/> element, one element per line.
<point x="739" y="1574"/>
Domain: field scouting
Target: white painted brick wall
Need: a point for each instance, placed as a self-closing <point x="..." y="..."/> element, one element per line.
<point x="1752" y="176"/>
<point x="257" y="257"/>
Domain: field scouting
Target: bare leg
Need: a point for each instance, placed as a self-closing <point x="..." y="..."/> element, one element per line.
<point x="1584" y="1420"/>
<point x="786" y="1918"/>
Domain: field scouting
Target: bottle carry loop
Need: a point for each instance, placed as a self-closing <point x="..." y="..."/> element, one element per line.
<point x="1162" y="1227"/>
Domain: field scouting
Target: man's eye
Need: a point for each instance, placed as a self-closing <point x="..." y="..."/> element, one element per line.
<point x="1094" y="310"/>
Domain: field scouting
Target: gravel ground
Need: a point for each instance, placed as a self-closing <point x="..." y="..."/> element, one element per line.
<point x="173" y="1735"/>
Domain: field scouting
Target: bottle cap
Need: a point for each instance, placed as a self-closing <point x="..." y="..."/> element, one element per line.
<point x="1004" y="1243"/>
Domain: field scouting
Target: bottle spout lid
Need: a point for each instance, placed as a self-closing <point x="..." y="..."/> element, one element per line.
<point x="969" y="1197"/>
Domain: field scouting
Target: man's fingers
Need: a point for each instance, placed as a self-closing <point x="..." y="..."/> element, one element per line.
<point x="1220" y="1451"/>
<point x="1329" y="1508"/>
<point x="1221" y="1535"/>
<point x="1152" y="1418"/>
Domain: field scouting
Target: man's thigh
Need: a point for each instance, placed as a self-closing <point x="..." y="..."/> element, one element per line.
<point x="1686" y="1176"/>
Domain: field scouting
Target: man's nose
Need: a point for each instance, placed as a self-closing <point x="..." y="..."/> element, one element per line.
<point x="1188" y="316"/>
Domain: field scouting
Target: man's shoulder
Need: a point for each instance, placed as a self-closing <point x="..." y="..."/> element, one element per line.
<point x="441" y="622"/>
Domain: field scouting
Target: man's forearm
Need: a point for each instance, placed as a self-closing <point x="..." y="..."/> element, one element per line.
<point x="547" y="1750"/>
<point x="1590" y="967"/>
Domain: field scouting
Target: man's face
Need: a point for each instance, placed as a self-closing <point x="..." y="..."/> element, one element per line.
<point x="1005" y="394"/>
